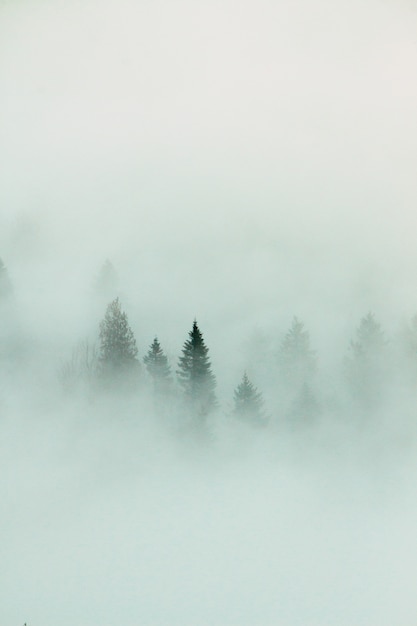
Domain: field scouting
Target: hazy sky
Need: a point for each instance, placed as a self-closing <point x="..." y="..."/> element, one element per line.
<point x="240" y="123"/>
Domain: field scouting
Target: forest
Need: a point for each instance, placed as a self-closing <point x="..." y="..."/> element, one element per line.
<point x="376" y="371"/>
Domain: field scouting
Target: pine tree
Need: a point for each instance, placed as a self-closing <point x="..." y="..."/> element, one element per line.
<point x="248" y="402"/>
<point x="195" y="375"/>
<point x="158" y="368"/>
<point x="370" y="340"/>
<point x="296" y="359"/>
<point x="366" y="365"/>
<point x="118" y="351"/>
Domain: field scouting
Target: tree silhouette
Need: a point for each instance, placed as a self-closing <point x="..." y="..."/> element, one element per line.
<point x="366" y="363"/>
<point x="195" y="375"/>
<point x="248" y="402"/>
<point x="158" y="368"/>
<point x="296" y="359"/>
<point x="118" y="351"/>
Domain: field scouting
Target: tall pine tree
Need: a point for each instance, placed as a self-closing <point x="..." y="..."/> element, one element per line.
<point x="195" y="375"/>
<point x="118" y="351"/>
<point x="296" y="359"/>
<point x="366" y="366"/>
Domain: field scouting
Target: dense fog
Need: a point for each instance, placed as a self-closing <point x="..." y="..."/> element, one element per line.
<point x="208" y="313"/>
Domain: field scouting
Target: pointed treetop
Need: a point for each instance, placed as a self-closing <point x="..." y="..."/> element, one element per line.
<point x="297" y="360"/>
<point x="248" y="401"/>
<point x="118" y="348"/>
<point x="157" y="362"/>
<point x="369" y="336"/>
<point x="194" y="371"/>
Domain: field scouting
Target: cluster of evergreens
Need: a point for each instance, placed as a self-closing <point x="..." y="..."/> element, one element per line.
<point x="371" y="366"/>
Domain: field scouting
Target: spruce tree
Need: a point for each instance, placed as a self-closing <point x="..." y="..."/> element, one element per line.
<point x="248" y="402"/>
<point x="118" y="352"/>
<point x="195" y="375"/>
<point x="366" y="363"/>
<point x="296" y="359"/>
<point x="158" y="368"/>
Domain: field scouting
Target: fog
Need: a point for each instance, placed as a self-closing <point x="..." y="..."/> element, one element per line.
<point x="250" y="166"/>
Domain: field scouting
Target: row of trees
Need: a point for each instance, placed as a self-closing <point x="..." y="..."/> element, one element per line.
<point x="370" y="364"/>
<point x="116" y="365"/>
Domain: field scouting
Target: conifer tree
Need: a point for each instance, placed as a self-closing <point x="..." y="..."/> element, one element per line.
<point x="248" y="402"/>
<point x="118" y="351"/>
<point x="195" y="375"/>
<point x="296" y="359"/>
<point x="366" y="364"/>
<point x="157" y="366"/>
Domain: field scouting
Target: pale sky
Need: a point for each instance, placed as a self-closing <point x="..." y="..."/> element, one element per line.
<point x="276" y="137"/>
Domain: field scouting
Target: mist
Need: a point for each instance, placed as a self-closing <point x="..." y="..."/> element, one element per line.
<point x="251" y="168"/>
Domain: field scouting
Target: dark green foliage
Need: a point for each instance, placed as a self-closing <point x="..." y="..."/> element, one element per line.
<point x="157" y="366"/>
<point x="296" y="359"/>
<point x="248" y="402"/>
<point x="118" y="351"/>
<point x="195" y="375"/>
<point x="366" y="364"/>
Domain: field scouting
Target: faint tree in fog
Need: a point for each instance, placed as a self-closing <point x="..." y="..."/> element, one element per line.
<point x="81" y="369"/>
<point x="305" y="407"/>
<point x="296" y="360"/>
<point x="5" y="284"/>
<point x="106" y="282"/>
<point x="13" y="344"/>
<point x="366" y="363"/>
<point x="195" y="375"/>
<point x="158" y="368"/>
<point x="406" y="345"/>
<point x="248" y="402"/>
<point x="410" y="337"/>
<point x="118" y="351"/>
